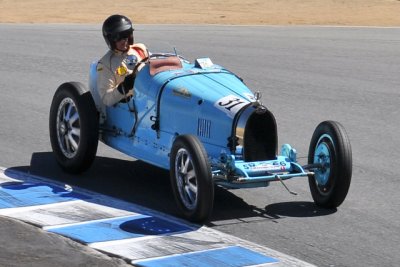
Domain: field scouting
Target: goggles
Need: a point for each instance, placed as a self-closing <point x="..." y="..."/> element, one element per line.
<point x="122" y="35"/>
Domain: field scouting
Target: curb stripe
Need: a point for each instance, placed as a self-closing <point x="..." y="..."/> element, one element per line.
<point x="64" y="213"/>
<point x="119" y="228"/>
<point x="28" y="194"/>
<point x="126" y="230"/>
<point x="235" y="256"/>
<point x="85" y="223"/>
<point x="25" y="209"/>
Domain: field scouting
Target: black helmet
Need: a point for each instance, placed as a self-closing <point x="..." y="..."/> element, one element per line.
<point x="116" y="27"/>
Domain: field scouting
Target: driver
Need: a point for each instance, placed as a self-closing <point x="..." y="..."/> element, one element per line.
<point x="116" y="70"/>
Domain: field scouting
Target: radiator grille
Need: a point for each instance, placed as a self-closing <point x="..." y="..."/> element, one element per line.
<point x="204" y="128"/>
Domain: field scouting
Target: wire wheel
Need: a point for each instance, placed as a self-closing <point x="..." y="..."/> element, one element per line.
<point x="186" y="179"/>
<point x="191" y="178"/>
<point x="68" y="128"/>
<point x="73" y="127"/>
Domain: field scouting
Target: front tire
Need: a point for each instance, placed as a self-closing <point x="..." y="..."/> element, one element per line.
<point x="191" y="178"/>
<point x="74" y="127"/>
<point x="330" y="147"/>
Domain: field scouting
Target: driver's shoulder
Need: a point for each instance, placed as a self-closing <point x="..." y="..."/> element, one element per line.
<point x="111" y="60"/>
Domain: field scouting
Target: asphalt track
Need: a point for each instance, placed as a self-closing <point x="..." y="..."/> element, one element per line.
<point x="306" y="75"/>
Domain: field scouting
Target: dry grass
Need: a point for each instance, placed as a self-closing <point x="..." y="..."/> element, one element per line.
<point x="249" y="12"/>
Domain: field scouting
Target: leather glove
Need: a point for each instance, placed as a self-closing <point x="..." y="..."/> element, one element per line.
<point x="127" y="85"/>
<point x="129" y="81"/>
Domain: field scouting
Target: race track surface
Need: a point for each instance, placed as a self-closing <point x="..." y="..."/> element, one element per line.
<point x="306" y="75"/>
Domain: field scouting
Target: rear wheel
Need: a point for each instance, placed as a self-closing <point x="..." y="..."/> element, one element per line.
<point x="191" y="178"/>
<point x="74" y="127"/>
<point x="330" y="148"/>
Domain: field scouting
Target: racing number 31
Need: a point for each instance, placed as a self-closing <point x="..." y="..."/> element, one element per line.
<point x="230" y="104"/>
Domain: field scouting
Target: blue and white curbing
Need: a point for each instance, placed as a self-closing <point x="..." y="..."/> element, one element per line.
<point x="137" y="234"/>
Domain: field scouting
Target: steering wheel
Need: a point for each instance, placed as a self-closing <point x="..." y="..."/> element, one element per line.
<point x="138" y="64"/>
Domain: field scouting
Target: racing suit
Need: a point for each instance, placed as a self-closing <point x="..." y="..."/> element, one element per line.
<point x="112" y="69"/>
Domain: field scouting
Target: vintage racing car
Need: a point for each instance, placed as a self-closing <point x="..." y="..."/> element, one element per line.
<point x="202" y="123"/>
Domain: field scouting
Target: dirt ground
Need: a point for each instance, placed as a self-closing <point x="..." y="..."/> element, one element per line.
<point x="237" y="12"/>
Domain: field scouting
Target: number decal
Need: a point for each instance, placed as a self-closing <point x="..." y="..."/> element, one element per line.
<point x="230" y="104"/>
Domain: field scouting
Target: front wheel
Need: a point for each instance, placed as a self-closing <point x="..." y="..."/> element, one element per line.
<point x="191" y="178"/>
<point x="330" y="149"/>
<point x="74" y="127"/>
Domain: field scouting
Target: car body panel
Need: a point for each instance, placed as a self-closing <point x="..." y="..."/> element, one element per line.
<point x="204" y="100"/>
<point x="198" y="93"/>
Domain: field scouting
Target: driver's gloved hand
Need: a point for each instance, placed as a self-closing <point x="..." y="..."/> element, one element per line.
<point x="127" y="84"/>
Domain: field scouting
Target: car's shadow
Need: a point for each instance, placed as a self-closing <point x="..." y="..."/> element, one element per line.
<point x="229" y="207"/>
<point x="143" y="184"/>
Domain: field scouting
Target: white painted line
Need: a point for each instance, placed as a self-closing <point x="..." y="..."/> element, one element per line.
<point x="114" y="243"/>
<point x="72" y="214"/>
<point x="5" y="179"/>
<point x="12" y="211"/>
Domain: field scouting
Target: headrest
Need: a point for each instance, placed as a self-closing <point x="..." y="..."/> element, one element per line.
<point x="164" y="64"/>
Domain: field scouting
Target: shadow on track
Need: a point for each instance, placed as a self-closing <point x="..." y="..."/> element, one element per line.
<point x="132" y="181"/>
<point x="296" y="209"/>
<point x="146" y="185"/>
<point x="228" y="208"/>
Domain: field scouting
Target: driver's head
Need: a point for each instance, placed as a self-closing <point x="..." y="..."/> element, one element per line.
<point x="118" y="32"/>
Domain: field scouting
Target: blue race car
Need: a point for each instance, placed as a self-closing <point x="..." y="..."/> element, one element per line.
<point x="202" y="123"/>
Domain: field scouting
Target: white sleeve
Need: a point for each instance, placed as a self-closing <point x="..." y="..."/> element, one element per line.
<point x="106" y="84"/>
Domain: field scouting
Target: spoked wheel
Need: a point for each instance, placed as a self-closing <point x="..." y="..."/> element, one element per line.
<point x="330" y="149"/>
<point x="191" y="178"/>
<point x="74" y="127"/>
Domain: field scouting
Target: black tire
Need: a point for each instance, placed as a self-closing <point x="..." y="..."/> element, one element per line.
<point x="74" y="127"/>
<point x="188" y="156"/>
<point x="331" y="146"/>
